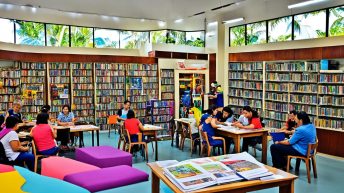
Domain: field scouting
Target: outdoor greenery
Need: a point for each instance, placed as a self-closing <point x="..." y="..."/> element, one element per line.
<point x="315" y="27"/>
<point x="82" y="37"/>
<point x="30" y="33"/>
<point x="237" y="35"/>
<point x="282" y="27"/>
<point x="132" y="39"/>
<point x="176" y="37"/>
<point x="57" y="35"/>
<point x="256" y="33"/>
<point x="158" y="37"/>
<point x="195" y="39"/>
<point x="337" y="26"/>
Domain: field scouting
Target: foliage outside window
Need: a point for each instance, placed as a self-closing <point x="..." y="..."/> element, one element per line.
<point x="176" y="37"/>
<point x="310" y="25"/>
<point x="195" y="39"/>
<point x="256" y="33"/>
<point x="336" y="21"/>
<point x="30" y="33"/>
<point x="280" y="29"/>
<point x="57" y="35"/>
<point x="7" y="31"/>
<point x="133" y="39"/>
<point x="104" y="38"/>
<point x="82" y="37"/>
<point x="237" y="36"/>
<point x="158" y="37"/>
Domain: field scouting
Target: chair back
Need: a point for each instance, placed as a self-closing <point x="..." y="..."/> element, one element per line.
<point x="204" y="137"/>
<point x="187" y="130"/>
<point x="312" y="149"/>
<point x="126" y="135"/>
<point x="34" y="148"/>
<point x="112" y="119"/>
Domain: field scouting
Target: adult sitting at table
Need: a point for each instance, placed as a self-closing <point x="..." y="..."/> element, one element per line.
<point x="65" y="118"/>
<point x="13" y="148"/>
<point x="44" y="135"/>
<point x="290" y="125"/>
<point x="133" y="125"/>
<point x="297" y="145"/>
<point x="123" y="112"/>
<point x="254" y="122"/>
<point x="227" y="115"/>
<point x="15" y="111"/>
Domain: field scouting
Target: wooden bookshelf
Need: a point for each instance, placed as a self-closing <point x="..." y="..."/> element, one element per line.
<point x="10" y="77"/>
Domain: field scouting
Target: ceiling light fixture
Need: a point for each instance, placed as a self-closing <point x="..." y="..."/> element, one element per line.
<point x="212" y="23"/>
<point x="302" y="4"/>
<point x="161" y="23"/>
<point x="233" y="20"/>
<point x="178" y="21"/>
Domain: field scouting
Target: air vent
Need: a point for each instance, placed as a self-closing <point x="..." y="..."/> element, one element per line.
<point x="222" y="6"/>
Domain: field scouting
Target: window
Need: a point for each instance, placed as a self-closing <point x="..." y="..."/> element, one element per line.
<point x="7" y="31"/>
<point x="104" y="38"/>
<point x="195" y="39"/>
<point x="176" y="37"/>
<point x="30" y="33"/>
<point x="132" y="39"/>
<point x="237" y="36"/>
<point x="57" y="35"/>
<point x="158" y="37"/>
<point x="280" y="29"/>
<point x="310" y="25"/>
<point x="256" y="33"/>
<point x="82" y="37"/>
<point x="336" y="21"/>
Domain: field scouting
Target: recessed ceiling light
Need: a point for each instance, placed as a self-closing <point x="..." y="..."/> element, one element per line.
<point x="212" y="23"/>
<point x="178" y="21"/>
<point x="142" y="20"/>
<point x="302" y="4"/>
<point x="161" y="23"/>
<point x="233" y="20"/>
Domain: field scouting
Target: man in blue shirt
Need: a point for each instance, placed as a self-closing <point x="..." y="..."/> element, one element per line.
<point x="305" y="134"/>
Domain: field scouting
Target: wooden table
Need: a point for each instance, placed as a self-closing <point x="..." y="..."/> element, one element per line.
<point x="151" y="130"/>
<point x="80" y="129"/>
<point x="285" y="184"/>
<point x="179" y="128"/>
<point x="237" y="134"/>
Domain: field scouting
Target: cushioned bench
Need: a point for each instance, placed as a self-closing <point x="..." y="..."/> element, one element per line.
<point x="103" y="156"/>
<point x="107" y="178"/>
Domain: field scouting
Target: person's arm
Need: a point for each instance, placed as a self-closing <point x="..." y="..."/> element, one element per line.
<point x="31" y="132"/>
<point x="293" y="140"/>
<point x="54" y="132"/>
<point x="141" y="126"/>
<point x="285" y="142"/>
<point x="250" y="126"/>
<point x="213" y="123"/>
<point x="119" y="113"/>
<point x="62" y="123"/>
<point x="17" y="147"/>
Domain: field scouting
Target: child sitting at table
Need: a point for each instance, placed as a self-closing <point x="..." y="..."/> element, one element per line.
<point x="44" y="136"/>
<point x="133" y="126"/>
<point x="209" y="126"/>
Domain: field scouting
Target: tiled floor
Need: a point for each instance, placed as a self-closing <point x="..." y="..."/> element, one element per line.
<point x="330" y="171"/>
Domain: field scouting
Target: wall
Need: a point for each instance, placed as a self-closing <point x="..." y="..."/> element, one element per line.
<point x="178" y="48"/>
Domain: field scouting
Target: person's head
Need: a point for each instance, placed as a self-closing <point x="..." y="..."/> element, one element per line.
<point x="302" y="118"/>
<point x="249" y="113"/>
<point x="16" y="107"/>
<point x="213" y="84"/>
<point x="131" y="114"/>
<point x="42" y="118"/>
<point x="126" y="105"/>
<point x="292" y="115"/>
<point x="227" y="112"/>
<point x="212" y="110"/>
<point x="11" y="122"/>
<point x="45" y="109"/>
<point x="66" y="109"/>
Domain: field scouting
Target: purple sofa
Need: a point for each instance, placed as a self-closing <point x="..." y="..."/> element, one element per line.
<point x="103" y="156"/>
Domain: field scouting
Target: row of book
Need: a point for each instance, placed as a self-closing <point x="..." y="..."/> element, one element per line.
<point x="332" y="78"/>
<point x="277" y="96"/>
<point x="110" y="92"/>
<point x="278" y="77"/>
<point x="110" y="79"/>
<point x="252" y="94"/>
<point x="146" y="67"/>
<point x="10" y="73"/>
<point x="305" y="99"/>
<point x="33" y="102"/>
<point x="110" y="86"/>
<point x="11" y="82"/>
<point x="163" y="103"/>
<point x="167" y="88"/>
<point x="109" y="73"/>
<point x="83" y="86"/>
<point x="235" y="93"/>
<point x="9" y="91"/>
<point x="84" y="66"/>
<point x="256" y="76"/>
<point x="235" y="75"/>
<point x="293" y="66"/>
<point x="112" y="66"/>
<point x="85" y="93"/>
<point x="33" y="80"/>
<point x="167" y="96"/>
<point x="331" y="112"/>
<point x="277" y="106"/>
<point x="33" y="65"/>
<point x="254" y="66"/>
<point x="331" y="89"/>
<point x="59" y="66"/>
<point x="83" y="73"/>
<point x="167" y="73"/>
<point x="304" y="77"/>
<point x="310" y="110"/>
<point x="59" y="72"/>
<point x="331" y="100"/>
<point x="253" y="103"/>
<point x="150" y="86"/>
<point x="276" y="115"/>
<point x="161" y="118"/>
<point x="238" y="84"/>
<point x="236" y="101"/>
<point x="83" y="80"/>
<point x="4" y="106"/>
<point x="109" y="99"/>
<point x="32" y="73"/>
<point x="104" y="114"/>
<point x="271" y="123"/>
<point x="59" y="80"/>
<point x="277" y="87"/>
<point x="328" y="123"/>
<point x="167" y="81"/>
<point x="162" y="111"/>
<point x="110" y="106"/>
<point x="305" y="88"/>
<point x="142" y="73"/>
<point x="138" y="105"/>
<point x="79" y="107"/>
<point x="85" y="100"/>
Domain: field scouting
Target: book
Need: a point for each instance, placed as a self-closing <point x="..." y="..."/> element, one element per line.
<point x="277" y="136"/>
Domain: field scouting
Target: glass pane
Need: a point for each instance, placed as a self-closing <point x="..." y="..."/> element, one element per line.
<point x="132" y="39"/>
<point x="30" y="33"/>
<point x="310" y="25"/>
<point x="7" y="31"/>
<point x="82" y="37"/>
<point x="176" y="37"/>
<point x="280" y="29"/>
<point x="336" y="21"/>
<point x="237" y="35"/>
<point x="195" y="38"/>
<point x="256" y="33"/>
<point x="57" y="35"/>
<point x="104" y="38"/>
<point x="158" y="37"/>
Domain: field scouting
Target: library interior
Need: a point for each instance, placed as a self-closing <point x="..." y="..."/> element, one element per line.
<point x="171" y="96"/>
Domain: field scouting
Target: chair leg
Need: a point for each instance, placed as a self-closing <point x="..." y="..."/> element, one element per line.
<point x="209" y="151"/>
<point x="288" y="163"/>
<point x="308" y="171"/>
<point x="146" y="150"/>
<point x="129" y="148"/>
<point x="297" y="165"/>
<point x="119" y="142"/>
<point x="314" y="164"/>
<point x="124" y="144"/>
<point x="36" y="162"/>
<point x="201" y="150"/>
<point x="191" y="145"/>
<point x="109" y="126"/>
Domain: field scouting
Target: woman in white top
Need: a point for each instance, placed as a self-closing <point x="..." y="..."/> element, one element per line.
<point x="13" y="148"/>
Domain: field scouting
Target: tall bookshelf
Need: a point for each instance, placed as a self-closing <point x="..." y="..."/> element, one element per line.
<point x="147" y="76"/>
<point x="235" y="87"/>
<point x="159" y="113"/>
<point x="59" y="80"/>
<point x="331" y="100"/>
<point x="10" y="77"/>
<point x="83" y="91"/>
<point x="110" y="90"/>
<point x="33" y="78"/>
<point x="167" y="84"/>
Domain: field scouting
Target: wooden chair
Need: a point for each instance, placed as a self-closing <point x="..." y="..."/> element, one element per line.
<point x="187" y="134"/>
<point x="205" y="143"/>
<point x="312" y="147"/>
<point x="112" y="120"/>
<point x="37" y="156"/>
<point x="121" y="138"/>
<point x="131" y="144"/>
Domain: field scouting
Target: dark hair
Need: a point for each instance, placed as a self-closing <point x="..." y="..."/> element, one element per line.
<point x="45" y="109"/>
<point x="42" y="118"/>
<point x="249" y="109"/>
<point x="127" y="101"/>
<point x="131" y="114"/>
<point x="11" y="121"/>
<point x="228" y="110"/>
<point x="304" y="117"/>
<point x="293" y="112"/>
<point x="69" y="110"/>
<point x="211" y="109"/>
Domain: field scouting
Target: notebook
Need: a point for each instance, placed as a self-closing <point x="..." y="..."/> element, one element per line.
<point x="277" y="136"/>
